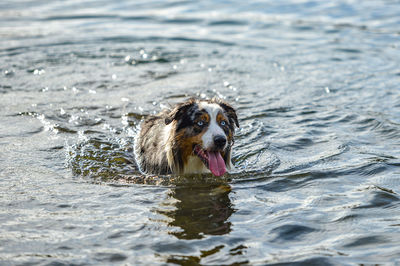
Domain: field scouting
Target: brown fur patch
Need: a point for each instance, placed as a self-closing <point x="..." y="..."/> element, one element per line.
<point x="230" y="111"/>
<point x="227" y="128"/>
<point x="220" y="118"/>
<point x="205" y="117"/>
<point x="186" y="139"/>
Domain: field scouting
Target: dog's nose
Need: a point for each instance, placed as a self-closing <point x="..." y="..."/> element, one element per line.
<point x="219" y="141"/>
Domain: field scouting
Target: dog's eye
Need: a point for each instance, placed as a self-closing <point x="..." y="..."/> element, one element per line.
<point x="200" y="123"/>
<point x="223" y="123"/>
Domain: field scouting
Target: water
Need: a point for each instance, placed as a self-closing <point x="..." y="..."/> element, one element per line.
<point x="316" y="87"/>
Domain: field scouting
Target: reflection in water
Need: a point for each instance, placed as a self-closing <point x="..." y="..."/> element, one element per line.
<point x="200" y="210"/>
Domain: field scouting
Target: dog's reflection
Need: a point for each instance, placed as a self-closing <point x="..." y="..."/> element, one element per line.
<point x="200" y="210"/>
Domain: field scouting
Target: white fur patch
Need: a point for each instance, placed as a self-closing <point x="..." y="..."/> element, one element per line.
<point x="166" y="135"/>
<point x="213" y="128"/>
<point x="195" y="166"/>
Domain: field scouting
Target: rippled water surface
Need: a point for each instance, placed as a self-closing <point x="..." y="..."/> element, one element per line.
<point x="316" y="87"/>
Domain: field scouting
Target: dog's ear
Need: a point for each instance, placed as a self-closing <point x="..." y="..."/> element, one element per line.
<point x="230" y="112"/>
<point x="179" y="110"/>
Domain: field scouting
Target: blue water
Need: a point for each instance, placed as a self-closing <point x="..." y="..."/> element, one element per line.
<point x="316" y="88"/>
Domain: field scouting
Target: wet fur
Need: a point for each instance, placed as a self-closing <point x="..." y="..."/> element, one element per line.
<point x="165" y="141"/>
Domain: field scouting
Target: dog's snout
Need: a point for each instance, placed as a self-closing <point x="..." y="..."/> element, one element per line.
<point x="219" y="141"/>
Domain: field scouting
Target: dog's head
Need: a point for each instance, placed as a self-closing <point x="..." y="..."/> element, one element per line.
<point x="203" y="129"/>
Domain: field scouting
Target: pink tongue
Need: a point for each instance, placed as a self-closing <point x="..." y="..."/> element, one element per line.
<point x="216" y="163"/>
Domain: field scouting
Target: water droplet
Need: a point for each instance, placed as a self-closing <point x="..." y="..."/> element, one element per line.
<point x="8" y="73"/>
<point x="124" y="120"/>
<point x="81" y="136"/>
<point x="39" y="72"/>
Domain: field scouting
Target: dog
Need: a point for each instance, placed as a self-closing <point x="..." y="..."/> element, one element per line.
<point x="195" y="137"/>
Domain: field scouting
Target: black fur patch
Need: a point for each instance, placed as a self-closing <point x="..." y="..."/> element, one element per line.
<point x="151" y="156"/>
